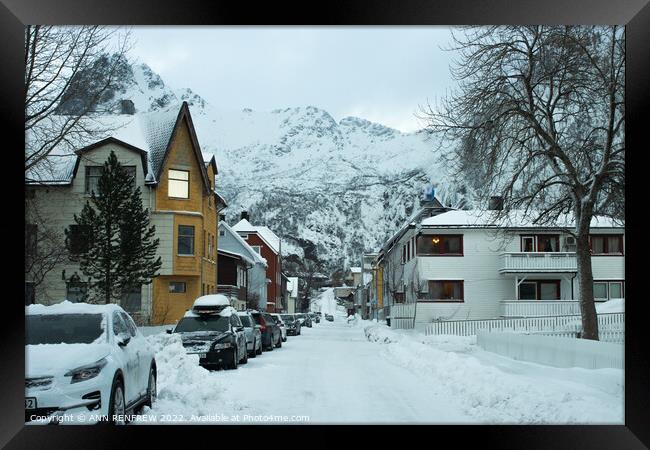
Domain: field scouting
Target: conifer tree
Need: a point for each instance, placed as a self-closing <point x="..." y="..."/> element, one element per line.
<point x="119" y="248"/>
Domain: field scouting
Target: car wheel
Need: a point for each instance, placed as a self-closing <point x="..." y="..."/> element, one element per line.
<point x="117" y="405"/>
<point x="258" y="350"/>
<point x="284" y="339"/>
<point x="244" y="359"/>
<point x="233" y="359"/>
<point x="253" y="354"/>
<point x="278" y="344"/>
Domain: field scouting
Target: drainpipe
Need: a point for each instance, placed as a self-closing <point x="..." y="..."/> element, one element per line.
<point x="573" y="278"/>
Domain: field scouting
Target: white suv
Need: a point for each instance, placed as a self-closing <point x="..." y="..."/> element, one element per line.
<point x="84" y="364"/>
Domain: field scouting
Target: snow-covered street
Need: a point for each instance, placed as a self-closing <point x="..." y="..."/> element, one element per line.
<point x="337" y="372"/>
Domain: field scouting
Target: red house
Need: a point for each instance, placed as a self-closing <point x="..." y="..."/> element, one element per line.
<point x="268" y="245"/>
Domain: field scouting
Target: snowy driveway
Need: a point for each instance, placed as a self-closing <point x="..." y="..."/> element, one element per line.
<point x="333" y="374"/>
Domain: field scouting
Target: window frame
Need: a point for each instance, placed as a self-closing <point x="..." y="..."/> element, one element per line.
<point x="178" y="238"/>
<point x="433" y="300"/>
<point x="538" y="290"/>
<point x="609" y="283"/>
<point x="535" y="238"/>
<point x="133" y="171"/>
<point x="170" y="178"/>
<point x="183" y="283"/>
<point x="75" y="235"/>
<point x="606" y="238"/>
<point x="443" y="237"/>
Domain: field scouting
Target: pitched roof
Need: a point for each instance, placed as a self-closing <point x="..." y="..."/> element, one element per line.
<point x="252" y="253"/>
<point x="513" y="219"/>
<point x="149" y="133"/>
<point x="268" y="236"/>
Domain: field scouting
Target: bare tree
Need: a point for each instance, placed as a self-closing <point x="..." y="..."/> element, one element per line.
<point x="69" y="70"/>
<point x="44" y="245"/>
<point x="538" y="116"/>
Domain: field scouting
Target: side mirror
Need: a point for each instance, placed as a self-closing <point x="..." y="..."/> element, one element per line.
<point x="239" y="328"/>
<point x="169" y="330"/>
<point x="258" y="326"/>
<point x="123" y="339"/>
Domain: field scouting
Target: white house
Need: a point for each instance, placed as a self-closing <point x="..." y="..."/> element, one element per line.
<point x="229" y="240"/>
<point x="460" y="265"/>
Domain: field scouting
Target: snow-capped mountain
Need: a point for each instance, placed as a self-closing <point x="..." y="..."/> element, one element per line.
<point x="329" y="189"/>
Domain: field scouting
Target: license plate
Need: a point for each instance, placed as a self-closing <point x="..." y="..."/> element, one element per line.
<point x="203" y="355"/>
<point x="30" y="403"/>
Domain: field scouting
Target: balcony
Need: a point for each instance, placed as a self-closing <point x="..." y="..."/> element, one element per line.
<point x="525" y="262"/>
<point x="540" y="308"/>
<point x="232" y="292"/>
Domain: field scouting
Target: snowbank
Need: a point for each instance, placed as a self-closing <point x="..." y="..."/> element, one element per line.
<point x="184" y="388"/>
<point x="616" y="305"/>
<point x="494" y="389"/>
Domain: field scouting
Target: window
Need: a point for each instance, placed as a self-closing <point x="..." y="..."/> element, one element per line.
<point x="132" y="300"/>
<point x="607" y="290"/>
<point x="94" y="173"/>
<point x="435" y="245"/>
<point x="606" y="244"/>
<point x="222" y="233"/>
<point x="205" y="244"/>
<point x="257" y="248"/>
<point x="540" y="243"/>
<point x="79" y="239"/>
<point x="413" y="247"/>
<point x="185" y="240"/>
<point x="539" y="290"/>
<point x="202" y="288"/>
<point x="179" y="184"/>
<point x="76" y="291"/>
<point x="130" y="325"/>
<point x="177" y="287"/>
<point x="118" y="324"/>
<point x="445" y="291"/>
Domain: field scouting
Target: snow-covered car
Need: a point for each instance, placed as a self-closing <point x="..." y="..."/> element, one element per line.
<point x="329" y="317"/>
<point x="85" y="364"/>
<point x="305" y="320"/>
<point x="314" y="317"/>
<point x="252" y="332"/>
<point x="281" y="324"/>
<point x="292" y="324"/>
<point x="212" y="330"/>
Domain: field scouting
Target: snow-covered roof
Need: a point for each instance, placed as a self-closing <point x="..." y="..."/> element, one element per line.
<point x="236" y="255"/>
<point x="67" y="307"/>
<point x="148" y="132"/>
<point x="268" y="236"/>
<point x="252" y="253"/>
<point x="355" y="269"/>
<point x="513" y="219"/>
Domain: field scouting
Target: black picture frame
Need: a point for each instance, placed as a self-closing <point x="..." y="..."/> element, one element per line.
<point x="635" y="14"/>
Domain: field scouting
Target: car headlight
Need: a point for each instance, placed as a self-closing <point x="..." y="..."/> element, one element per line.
<point x="87" y="372"/>
<point x="222" y="346"/>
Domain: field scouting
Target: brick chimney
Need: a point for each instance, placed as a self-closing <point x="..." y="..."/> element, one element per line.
<point x="496" y="203"/>
<point x="244" y="215"/>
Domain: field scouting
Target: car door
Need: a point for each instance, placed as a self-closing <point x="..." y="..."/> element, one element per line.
<point x="241" y="336"/>
<point x="139" y="346"/>
<point x="129" y="359"/>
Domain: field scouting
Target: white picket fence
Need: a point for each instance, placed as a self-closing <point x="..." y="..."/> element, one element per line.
<point x="402" y="315"/>
<point x="611" y="326"/>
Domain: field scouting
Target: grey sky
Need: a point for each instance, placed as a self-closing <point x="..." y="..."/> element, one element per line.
<point x="379" y="73"/>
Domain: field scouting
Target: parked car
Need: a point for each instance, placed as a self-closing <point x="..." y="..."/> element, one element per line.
<point x="281" y="324"/>
<point x="292" y="324"/>
<point x="85" y="361"/>
<point x="212" y="329"/>
<point x="314" y="317"/>
<point x="329" y="317"/>
<point x="271" y="334"/>
<point x="252" y="332"/>
<point x="306" y="320"/>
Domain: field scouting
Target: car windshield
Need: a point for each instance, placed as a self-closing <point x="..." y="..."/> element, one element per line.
<point x="202" y="323"/>
<point x="246" y="321"/>
<point x="287" y="318"/>
<point x="63" y="328"/>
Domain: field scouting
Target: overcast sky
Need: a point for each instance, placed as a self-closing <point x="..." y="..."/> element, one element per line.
<point x="379" y="73"/>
